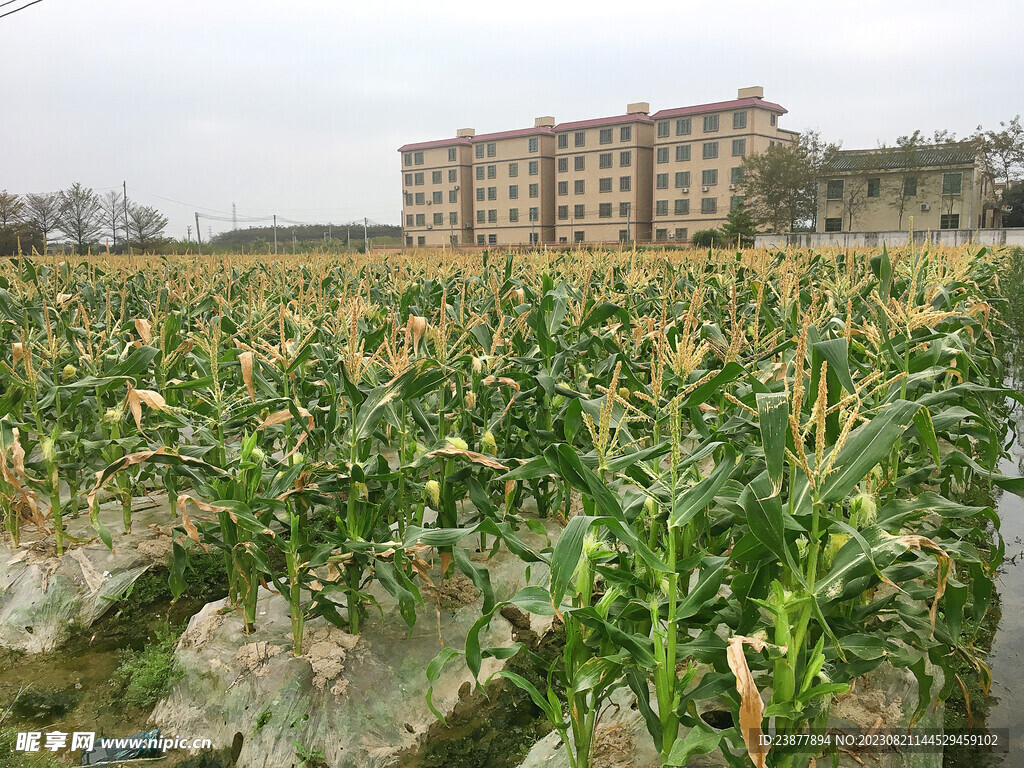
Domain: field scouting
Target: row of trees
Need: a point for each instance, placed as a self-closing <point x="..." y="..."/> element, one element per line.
<point x="781" y="183"/>
<point x="82" y="217"/>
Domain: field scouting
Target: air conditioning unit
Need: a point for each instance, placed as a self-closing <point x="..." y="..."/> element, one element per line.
<point x="430" y="226"/>
<point x="705" y="189"/>
<point x="671" y="235"/>
<point x="732" y="186"/>
<point x="686" y="190"/>
<point x="428" y="202"/>
<point x="925" y="207"/>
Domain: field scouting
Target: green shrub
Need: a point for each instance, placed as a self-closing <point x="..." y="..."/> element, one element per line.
<point x="706" y="238"/>
<point x="148" y="674"/>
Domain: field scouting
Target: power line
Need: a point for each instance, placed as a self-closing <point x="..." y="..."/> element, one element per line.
<point x="18" y="9"/>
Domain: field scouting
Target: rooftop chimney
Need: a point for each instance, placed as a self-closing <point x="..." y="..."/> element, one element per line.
<point x="544" y="122"/>
<point x="638" y="108"/>
<point x="465" y="133"/>
<point x="753" y="92"/>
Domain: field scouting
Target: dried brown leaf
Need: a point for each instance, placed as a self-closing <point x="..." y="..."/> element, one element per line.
<point x="245" y="360"/>
<point x="473" y="456"/>
<point x="751" y="705"/>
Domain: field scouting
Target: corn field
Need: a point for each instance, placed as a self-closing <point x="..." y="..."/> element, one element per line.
<point x="758" y="460"/>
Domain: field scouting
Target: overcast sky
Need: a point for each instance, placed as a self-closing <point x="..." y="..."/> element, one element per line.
<point x="298" y="108"/>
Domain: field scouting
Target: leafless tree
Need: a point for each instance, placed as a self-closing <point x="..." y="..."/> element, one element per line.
<point x="79" y="216"/>
<point x="146" y="226"/>
<point x="112" y="214"/>
<point x="12" y="209"/>
<point x="43" y="210"/>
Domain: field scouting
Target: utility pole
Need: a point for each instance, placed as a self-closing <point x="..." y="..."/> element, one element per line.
<point x="199" y="235"/>
<point x="348" y="235"/>
<point x="234" y="216"/>
<point x="275" y="234"/>
<point x="366" y="239"/>
<point x="188" y="233"/>
<point x="124" y="199"/>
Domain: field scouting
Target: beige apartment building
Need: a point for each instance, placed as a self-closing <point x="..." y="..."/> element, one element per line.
<point x="881" y="190"/>
<point x="514" y="185"/>
<point x="698" y="159"/>
<point x="631" y="177"/>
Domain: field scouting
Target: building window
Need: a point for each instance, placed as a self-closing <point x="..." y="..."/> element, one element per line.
<point x="513" y="191"/>
<point x="577" y="236"/>
<point x="662" y="154"/>
<point x="481" y="240"/>
<point x="682" y="208"/>
<point x="683" y="126"/>
<point x="420" y="199"/>
<point x="661" y="208"/>
<point x="534" y="144"/>
<point x="739" y="120"/>
<point x="834" y="189"/>
<point x="739" y="147"/>
<point x="454" y="239"/>
<point x="579" y="212"/>
<point x="535" y="190"/>
<point x="683" y="153"/>
<point x="604" y="160"/>
<point x="623" y="235"/>
<point x="623" y="210"/>
<point x="478" y="151"/>
<point x="534" y="238"/>
<point x="453" y="195"/>
<point x="736" y="201"/>
<point x="952" y="184"/>
<point x="604" y="211"/>
<point x="437" y="198"/>
<point x="408" y="161"/>
<point x="579" y="138"/>
<point x="773" y="118"/>
<point x="625" y="158"/>
<point x="563" y="213"/>
<point x="709" y="177"/>
<point x="661" y="235"/>
<point x="709" y="205"/>
<point x="479" y="173"/>
<point x="710" y="150"/>
<point x="513" y="170"/>
<point x="421" y="240"/>
<point x="710" y="123"/>
<point x="834" y="224"/>
<point x="625" y="184"/>
<point x="492" y="239"/>
<point x="563" y="187"/>
<point x="661" y="181"/>
<point x="480" y="193"/>
<point x="626" y="133"/>
<point x="579" y="187"/>
<point x="605" y="137"/>
<point x="452" y="156"/>
<point x="513" y="215"/>
<point x="409" y="219"/>
<point x="492" y="216"/>
<point x="453" y="175"/>
<point x="481" y="216"/>
<point x="910" y="186"/>
<point x="421" y="220"/>
<point x="492" y="193"/>
<point x="874" y="187"/>
<point x="418" y="158"/>
<point x="453" y="217"/>
<point x="408" y="240"/>
<point x="408" y="198"/>
<point x="418" y="179"/>
<point x="492" y="171"/>
<point x="408" y="179"/>
<point x="563" y="140"/>
<point x="682" y="234"/>
<point x="579" y="162"/>
<point x="534" y="214"/>
<point x="563" y="164"/>
<point x="949" y="221"/>
<point x="604" y="185"/>
<point x="663" y="127"/>
<point x="736" y="174"/>
<point x="534" y="167"/>
<point x="438" y="218"/>
<point x="435" y="177"/>
<point x="492" y="149"/>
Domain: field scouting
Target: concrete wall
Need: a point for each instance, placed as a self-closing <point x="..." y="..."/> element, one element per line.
<point x="877" y="239"/>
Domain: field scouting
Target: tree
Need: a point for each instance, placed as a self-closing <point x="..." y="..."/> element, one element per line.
<point x="706" y="238"/>
<point x="43" y="210"/>
<point x="12" y="209"/>
<point x="1003" y="155"/>
<point x="146" y="226"/>
<point x="905" y="191"/>
<point x="1013" y="205"/>
<point x="781" y="183"/>
<point x="112" y="214"/>
<point x="739" y="226"/>
<point x="79" y="216"/>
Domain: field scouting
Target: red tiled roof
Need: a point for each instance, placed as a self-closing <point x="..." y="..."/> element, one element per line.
<point x="434" y="144"/>
<point x="719" y="106"/>
<point x="535" y="131"/>
<point x="637" y="117"/>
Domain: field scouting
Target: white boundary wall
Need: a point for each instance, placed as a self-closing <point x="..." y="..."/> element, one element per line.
<point x="875" y="239"/>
